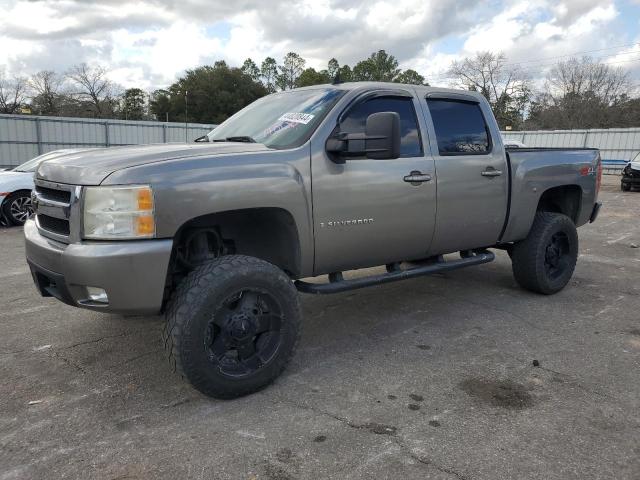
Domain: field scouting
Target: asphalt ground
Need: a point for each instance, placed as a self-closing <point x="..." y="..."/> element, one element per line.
<point x="428" y="378"/>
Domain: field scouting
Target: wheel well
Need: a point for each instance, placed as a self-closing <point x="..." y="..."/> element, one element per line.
<point x="3" y="205"/>
<point x="566" y="199"/>
<point x="267" y="233"/>
<point x="24" y="190"/>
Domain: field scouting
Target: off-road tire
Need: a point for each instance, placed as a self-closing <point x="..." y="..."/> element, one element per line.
<point x="200" y="296"/>
<point x="530" y="256"/>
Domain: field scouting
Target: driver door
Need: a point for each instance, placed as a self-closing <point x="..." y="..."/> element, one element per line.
<point x="368" y="212"/>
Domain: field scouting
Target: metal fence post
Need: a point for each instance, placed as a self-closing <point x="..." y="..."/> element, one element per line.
<point x="164" y="133"/>
<point x="106" y="134"/>
<point x="39" y="135"/>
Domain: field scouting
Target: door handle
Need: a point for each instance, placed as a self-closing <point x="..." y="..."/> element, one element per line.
<point x="491" y="172"/>
<point x="416" y="177"/>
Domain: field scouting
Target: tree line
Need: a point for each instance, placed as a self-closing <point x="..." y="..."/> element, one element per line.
<point x="213" y="93"/>
<point x="577" y="93"/>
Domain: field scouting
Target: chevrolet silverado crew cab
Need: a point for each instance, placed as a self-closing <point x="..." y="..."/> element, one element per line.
<point x="220" y="235"/>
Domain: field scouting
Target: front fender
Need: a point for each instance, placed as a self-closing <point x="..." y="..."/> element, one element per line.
<point x="190" y="188"/>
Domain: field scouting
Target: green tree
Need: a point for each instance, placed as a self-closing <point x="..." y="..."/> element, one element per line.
<point x="333" y="67"/>
<point x="345" y="73"/>
<point x="134" y="103"/>
<point x="269" y="73"/>
<point x="310" y="76"/>
<point x="160" y="105"/>
<point x="410" y="76"/>
<point x="379" y="67"/>
<point x="214" y="93"/>
<point x="250" y="68"/>
<point x="288" y="73"/>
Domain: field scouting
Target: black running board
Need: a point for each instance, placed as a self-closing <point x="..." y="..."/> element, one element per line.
<point x="338" y="284"/>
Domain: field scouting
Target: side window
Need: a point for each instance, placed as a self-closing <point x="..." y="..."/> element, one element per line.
<point x="356" y="118"/>
<point x="460" y="127"/>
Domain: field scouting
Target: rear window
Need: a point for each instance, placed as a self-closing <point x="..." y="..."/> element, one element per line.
<point x="460" y="127"/>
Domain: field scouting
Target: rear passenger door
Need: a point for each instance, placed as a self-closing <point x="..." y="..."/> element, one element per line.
<point x="471" y="173"/>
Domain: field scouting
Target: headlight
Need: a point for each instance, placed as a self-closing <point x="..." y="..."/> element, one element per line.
<point x="118" y="213"/>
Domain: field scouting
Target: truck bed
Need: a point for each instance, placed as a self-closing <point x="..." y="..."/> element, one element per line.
<point x="533" y="171"/>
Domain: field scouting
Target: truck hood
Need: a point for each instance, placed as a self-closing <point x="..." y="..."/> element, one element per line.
<point x="91" y="166"/>
<point x="635" y="165"/>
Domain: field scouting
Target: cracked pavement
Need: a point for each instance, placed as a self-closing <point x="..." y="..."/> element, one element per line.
<point x="428" y="378"/>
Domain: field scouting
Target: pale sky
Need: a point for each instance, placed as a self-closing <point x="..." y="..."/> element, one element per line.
<point x="150" y="43"/>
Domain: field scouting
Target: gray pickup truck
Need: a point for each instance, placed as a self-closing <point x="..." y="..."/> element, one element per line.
<point x="220" y="235"/>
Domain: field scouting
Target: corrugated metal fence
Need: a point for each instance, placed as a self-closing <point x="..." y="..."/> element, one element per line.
<point x="617" y="146"/>
<point x="23" y="137"/>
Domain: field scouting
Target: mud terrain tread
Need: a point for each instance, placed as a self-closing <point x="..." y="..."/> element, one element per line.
<point x="528" y="255"/>
<point x="190" y="297"/>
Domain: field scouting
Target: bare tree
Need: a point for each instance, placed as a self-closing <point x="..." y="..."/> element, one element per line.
<point x="584" y="77"/>
<point x="581" y="93"/>
<point x="13" y="93"/>
<point x="92" y="85"/>
<point x="506" y="87"/>
<point x="46" y="96"/>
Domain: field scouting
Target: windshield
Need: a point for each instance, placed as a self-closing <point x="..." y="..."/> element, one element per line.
<point x="282" y="120"/>
<point x="31" y="165"/>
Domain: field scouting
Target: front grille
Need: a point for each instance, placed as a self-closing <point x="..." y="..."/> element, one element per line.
<point x="56" y="207"/>
<point x="61" y="196"/>
<point x="54" y="225"/>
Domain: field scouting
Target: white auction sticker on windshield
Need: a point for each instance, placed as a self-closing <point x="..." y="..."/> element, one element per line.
<point x="294" y="117"/>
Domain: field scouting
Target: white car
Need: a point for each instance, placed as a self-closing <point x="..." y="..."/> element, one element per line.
<point x="15" y="190"/>
<point x="513" y="144"/>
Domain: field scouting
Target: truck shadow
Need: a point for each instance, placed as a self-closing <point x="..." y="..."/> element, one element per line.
<point x="114" y="347"/>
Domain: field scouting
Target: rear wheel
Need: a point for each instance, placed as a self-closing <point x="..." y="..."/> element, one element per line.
<point x="232" y="326"/>
<point x="544" y="261"/>
<point x="18" y="208"/>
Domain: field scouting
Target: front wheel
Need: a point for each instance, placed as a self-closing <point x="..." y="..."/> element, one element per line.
<point x="18" y="208"/>
<point x="544" y="261"/>
<point x="625" y="187"/>
<point x="232" y="326"/>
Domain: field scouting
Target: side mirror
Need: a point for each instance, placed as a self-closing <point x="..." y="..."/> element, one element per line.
<point x="380" y="141"/>
<point x="204" y="138"/>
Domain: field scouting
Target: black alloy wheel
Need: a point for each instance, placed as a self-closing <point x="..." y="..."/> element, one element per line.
<point x="557" y="259"/>
<point x="244" y="334"/>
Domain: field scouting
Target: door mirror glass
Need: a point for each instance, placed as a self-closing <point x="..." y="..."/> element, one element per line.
<point x="380" y="140"/>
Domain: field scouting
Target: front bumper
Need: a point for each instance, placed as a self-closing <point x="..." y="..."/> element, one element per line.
<point x="133" y="273"/>
<point x="633" y="180"/>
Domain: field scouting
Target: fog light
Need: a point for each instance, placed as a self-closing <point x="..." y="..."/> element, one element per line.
<point x="97" y="295"/>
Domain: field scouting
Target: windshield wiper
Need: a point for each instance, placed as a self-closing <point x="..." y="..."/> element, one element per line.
<point x="239" y="138"/>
